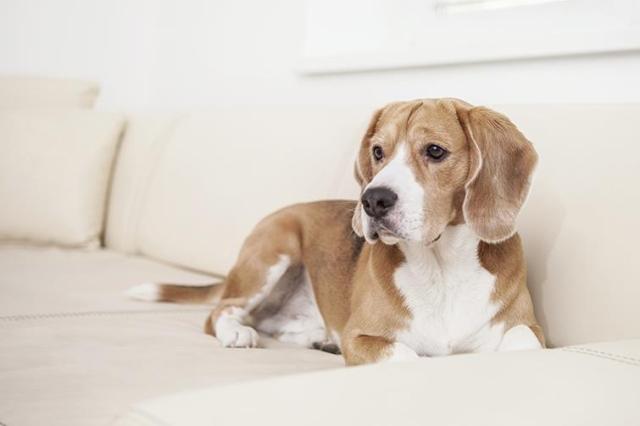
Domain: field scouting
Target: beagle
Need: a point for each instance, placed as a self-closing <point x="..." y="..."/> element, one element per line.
<point x="426" y="263"/>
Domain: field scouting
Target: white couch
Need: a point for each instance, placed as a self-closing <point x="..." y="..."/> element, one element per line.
<point x="182" y="192"/>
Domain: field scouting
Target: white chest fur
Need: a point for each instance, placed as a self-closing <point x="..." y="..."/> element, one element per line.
<point x="448" y="294"/>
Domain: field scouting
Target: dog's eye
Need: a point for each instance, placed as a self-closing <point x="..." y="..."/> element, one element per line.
<point x="435" y="152"/>
<point x="377" y="152"/>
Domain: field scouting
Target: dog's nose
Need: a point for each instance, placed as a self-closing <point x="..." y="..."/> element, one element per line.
<point x="378" y="201"/>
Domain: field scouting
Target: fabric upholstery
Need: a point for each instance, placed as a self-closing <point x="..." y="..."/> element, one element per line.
<point x="48" y="281"/>
<point x="41" y="92"/>
<point x="585" y="385"/>
<point x="187" y="190"/>
<point x="580" y="223"/>
<point x="190" y="191"/>
<point x="75" y="351"/>
<point x="55" y="168"/>
<point x="86" y="369"/>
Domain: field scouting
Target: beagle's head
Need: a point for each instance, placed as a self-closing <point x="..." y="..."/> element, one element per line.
<point x="427" y="164"/>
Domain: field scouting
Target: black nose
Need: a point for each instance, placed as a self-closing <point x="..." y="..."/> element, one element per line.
<point x="378" y="201"/>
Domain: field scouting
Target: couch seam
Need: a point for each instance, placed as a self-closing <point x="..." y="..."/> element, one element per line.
<point x="59" y="315"/>
<point x="595" y="351"/>
<point x="102" y="235"/>
<point x="604" y="355"/>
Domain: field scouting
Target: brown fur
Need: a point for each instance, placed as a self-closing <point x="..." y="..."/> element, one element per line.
<point x="500" y="181"/>
<point x="179" y="293"/>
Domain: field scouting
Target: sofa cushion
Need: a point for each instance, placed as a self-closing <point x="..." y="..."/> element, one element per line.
<point x="55" y="168"/>
<point x="585" y="385"/>
<point x="42" y="282"/>
<point x="40" y="92"/>
<point x="75" y="351"/>
<point x="190" y="188"/>
<point x="86" y="369"/>
<point x="580" y="224"/>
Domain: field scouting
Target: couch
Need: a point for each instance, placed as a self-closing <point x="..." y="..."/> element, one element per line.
<point x="96" y="202"/>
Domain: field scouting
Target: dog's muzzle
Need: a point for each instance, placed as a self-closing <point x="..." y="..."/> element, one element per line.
<point x="377" y="202"/>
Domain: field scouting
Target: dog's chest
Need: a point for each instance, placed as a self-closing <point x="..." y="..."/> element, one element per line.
<point x="450" y="303"/>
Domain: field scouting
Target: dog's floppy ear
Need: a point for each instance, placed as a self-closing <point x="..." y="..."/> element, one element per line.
<point x="362" y="168"/>
<point x="502" y="161"/>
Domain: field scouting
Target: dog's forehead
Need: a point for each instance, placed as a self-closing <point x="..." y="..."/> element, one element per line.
<point x="405" y="120"/>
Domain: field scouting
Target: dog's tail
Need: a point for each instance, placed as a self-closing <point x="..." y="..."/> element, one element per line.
<point x="176" y="293"/>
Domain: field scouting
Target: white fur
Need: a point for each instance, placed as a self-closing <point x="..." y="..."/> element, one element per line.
<point x="298" y="320"/>
<point x="401" y="353"/>
<point x="232" y="333"/>
<point x="407" y="216"/>
<point x="275" y="272"/>
<point x="147" y="292"/>
<point x="448" y="294"/>
<point x="519" y="338"/>
<point x="230" y="328"/>
<point x="334" y="337"/>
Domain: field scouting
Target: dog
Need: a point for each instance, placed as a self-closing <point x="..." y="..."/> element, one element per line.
<point x="426" y="263"/>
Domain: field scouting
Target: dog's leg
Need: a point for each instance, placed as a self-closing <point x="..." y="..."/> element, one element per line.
<point x="246" y="287"/>
<point x="266" y="255"/>
<point x="519" y="338"/>
<point x="364" y="349"/>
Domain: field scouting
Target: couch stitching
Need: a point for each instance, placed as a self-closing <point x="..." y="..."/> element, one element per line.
<point x="149" y="416"/>
<point x="57" y="315"/>
<point x="605" y="355"/>
<point x="611" y="354"/>
<point x="585" y="349"/>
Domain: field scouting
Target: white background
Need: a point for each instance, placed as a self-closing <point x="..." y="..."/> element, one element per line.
<point x="159" y="55"/>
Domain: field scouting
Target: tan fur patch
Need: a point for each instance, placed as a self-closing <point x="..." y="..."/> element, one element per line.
<point x="506" y="261"/>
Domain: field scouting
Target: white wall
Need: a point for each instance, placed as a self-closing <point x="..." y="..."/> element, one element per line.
<point x="175" y="54"/>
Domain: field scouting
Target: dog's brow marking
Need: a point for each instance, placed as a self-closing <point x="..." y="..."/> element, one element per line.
<point x="411" y="113"/>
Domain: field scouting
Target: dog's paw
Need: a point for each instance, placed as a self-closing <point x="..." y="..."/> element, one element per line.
<point x="401" y="352"/>
<point x="240" y="336"/>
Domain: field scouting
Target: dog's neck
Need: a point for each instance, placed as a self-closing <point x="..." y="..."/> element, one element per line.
<point x="456" y="249"/>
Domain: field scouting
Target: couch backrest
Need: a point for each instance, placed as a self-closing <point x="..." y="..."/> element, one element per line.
<point x="187" y="189"/>
<point x="19" y="91"/>
<point x="581" y="224"/>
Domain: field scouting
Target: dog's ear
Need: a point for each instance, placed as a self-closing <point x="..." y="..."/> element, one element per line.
<point x="502" y="161"/>
<point x="362" y="168"/>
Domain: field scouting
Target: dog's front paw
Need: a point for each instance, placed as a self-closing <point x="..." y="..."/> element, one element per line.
<point x="400" y="352"/>
<point x="240" y="336"/>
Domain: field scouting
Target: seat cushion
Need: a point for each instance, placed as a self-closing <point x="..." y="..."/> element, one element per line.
<point x="49" y="281"/>
<point x="86" y="369"/>
<point x="584" y="385"/>
<point x="41" y="92"/>
<point x="75" y="351"/>
<point x="55" y="169"/>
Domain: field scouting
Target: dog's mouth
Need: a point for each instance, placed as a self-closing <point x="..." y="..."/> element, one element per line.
<point x="380" y="230"/>
<point x="385" y="232"/>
